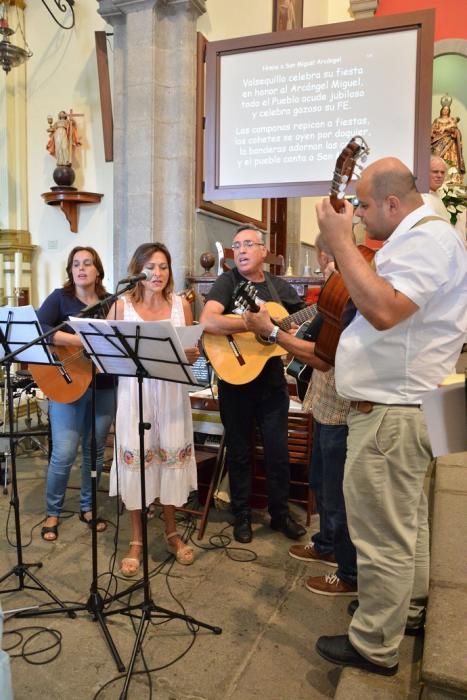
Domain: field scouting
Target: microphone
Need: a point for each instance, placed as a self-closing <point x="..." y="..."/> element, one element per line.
<point x="133" y="279"/>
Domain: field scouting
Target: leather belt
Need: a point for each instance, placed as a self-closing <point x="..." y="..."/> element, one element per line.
<point x="367" y="406"/>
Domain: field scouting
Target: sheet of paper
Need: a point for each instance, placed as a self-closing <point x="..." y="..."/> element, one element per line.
<point x="445" y="414"/>
<point x="190" y="335"/>
<point x="155" y="344"/>
<point x="21" y="326"/>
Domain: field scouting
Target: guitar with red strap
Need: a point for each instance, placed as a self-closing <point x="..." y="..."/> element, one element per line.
<point x="334" y="302"/>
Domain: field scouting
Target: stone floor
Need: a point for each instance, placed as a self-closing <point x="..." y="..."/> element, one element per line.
<point x="255" y="593"/>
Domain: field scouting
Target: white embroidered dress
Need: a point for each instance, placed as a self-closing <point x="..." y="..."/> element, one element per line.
<point x="170" y="466"/>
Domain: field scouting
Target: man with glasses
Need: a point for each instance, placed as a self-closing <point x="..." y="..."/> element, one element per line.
<point x="265" y="400"/>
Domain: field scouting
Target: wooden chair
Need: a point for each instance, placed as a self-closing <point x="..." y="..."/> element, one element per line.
<point x="276" y="262"/>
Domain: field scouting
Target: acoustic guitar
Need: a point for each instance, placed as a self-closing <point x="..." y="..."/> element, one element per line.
<point x="334" y="302"/>
<point x="297" y="369"/>
<point x="239" y="358"/>
<point x="67" y="381"/>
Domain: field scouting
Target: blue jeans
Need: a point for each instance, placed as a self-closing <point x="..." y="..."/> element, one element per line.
<point x="71" y="423"/>
<point x="326" y="479"/>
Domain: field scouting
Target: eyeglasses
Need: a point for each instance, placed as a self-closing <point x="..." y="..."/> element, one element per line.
<point x="236" y="245"/>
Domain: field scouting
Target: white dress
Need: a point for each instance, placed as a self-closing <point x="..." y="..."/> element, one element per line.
<point x="170" y="466"/>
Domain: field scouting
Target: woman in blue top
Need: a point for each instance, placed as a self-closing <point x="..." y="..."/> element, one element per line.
<point x="71" y="422"/>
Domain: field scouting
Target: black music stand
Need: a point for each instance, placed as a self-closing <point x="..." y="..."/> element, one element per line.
<point x="17" y="326"/>
<point x="128" y="348"/>
<point x="26" y="350"/>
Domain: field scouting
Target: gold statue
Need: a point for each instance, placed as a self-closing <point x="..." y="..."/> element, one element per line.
<point x="446" y="138"/>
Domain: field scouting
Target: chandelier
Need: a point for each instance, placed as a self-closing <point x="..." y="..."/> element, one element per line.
<point x="12" y="55"/>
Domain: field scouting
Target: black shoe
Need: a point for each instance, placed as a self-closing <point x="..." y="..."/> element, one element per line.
<point x="339" y="650"/>
<point x="409" y="631"/>
<point x="242" y="529"/>
<point x="288" y="527"/>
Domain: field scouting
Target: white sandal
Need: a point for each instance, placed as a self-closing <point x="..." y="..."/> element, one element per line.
<point x="130" y="566"/>
<point x="184" y="554"/>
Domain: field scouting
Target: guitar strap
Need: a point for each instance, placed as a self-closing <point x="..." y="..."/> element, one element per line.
<point x="426" y="219"/>
<point x="269" y="283"/>
<point x="271" y="288"/>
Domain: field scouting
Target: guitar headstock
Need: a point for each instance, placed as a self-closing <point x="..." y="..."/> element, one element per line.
<point x="189" y="294"/>
<point x="356" y="150"/>
<point x="245" y="297"/>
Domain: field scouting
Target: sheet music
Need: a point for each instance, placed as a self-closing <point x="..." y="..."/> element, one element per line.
<point x="445" y="415"/>
<point x="23" y="329"/>
<point x="156" y="343"/>
<point x="189" y="335"/>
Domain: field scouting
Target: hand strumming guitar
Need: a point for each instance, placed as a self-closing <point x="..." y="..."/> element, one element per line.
<point x="260" y="322"/>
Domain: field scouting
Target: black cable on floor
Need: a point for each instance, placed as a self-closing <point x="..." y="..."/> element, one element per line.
<point x="24" y="643"/>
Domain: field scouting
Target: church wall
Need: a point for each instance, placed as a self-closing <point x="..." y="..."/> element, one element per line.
<point x="62" y="74"/>
<point x="451" y="15"/>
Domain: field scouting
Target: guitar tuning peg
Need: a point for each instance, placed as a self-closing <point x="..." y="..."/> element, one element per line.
<point x="342" y="187"/>
<point x="364" y="158"/>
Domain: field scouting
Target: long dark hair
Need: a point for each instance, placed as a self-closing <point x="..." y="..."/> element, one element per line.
<point x="138" y="261"/>
<point x="69" y="286"/>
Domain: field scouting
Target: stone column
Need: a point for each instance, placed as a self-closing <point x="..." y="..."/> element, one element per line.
<point x="174" y="174"/>
<point x="14" y="223"/>
<point x="154" y="126"/>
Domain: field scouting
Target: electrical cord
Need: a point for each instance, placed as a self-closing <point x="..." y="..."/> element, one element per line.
<point x="37" y="632"/>
<point x="65" y="514"/>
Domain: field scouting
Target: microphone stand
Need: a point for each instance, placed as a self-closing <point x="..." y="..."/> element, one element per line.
<point x="95" y="602"/>
<point x="21" y="570"/>
<point x="88" y="310"/>
<point x="148" y="609"/>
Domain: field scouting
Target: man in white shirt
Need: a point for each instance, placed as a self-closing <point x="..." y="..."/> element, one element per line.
<point x="437" y="177"/>
<point x="406" y="336"/>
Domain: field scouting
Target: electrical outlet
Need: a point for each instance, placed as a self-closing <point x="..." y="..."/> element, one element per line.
<point x="52" y="245"/>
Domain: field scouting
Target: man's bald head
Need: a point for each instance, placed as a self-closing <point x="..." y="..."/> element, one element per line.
<point x="389" y="176"/>
<point x="437" y="172"/>
<point x="387" y="194"/>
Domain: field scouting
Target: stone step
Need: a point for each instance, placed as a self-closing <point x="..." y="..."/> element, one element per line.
<point x="444" y="668"/>
<point x="405" y="685"/>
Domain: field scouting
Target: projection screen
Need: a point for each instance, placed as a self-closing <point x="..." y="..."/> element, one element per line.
<point x="281" y="107"/>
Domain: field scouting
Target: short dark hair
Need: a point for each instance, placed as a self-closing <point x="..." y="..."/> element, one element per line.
<point x="250" y="227"/>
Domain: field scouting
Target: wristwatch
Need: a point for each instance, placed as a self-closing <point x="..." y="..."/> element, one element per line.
<point x="272" y="337"/>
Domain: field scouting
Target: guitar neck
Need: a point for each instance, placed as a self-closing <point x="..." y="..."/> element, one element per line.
<point x="337" y="204"/>
<point x="298" y="317"/>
